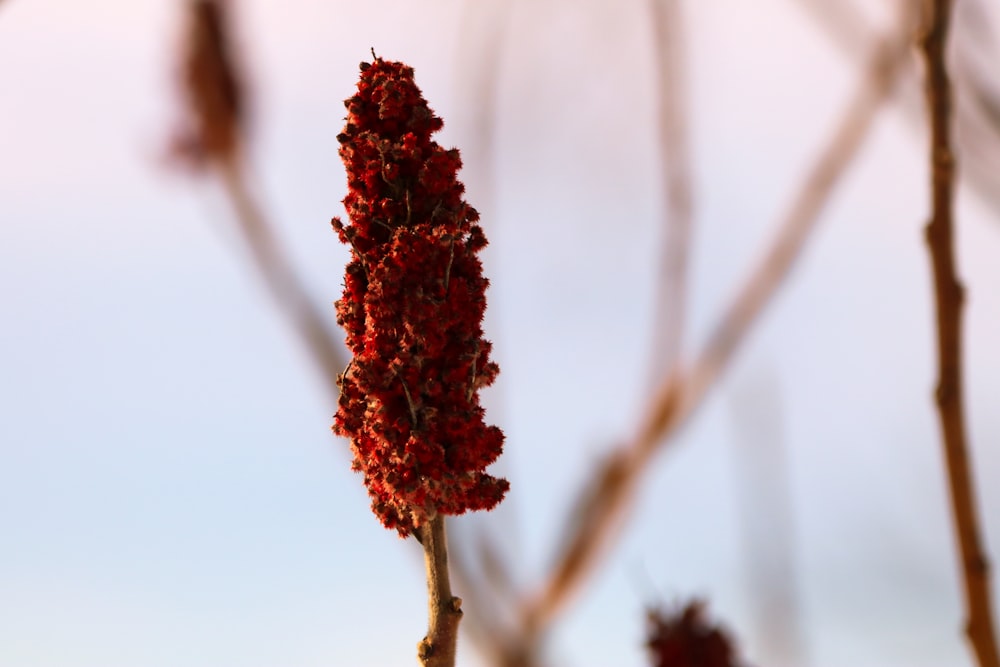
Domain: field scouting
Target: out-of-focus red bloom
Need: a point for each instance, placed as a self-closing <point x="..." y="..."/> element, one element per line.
<point x="413" y="305"/>
<point x="685" y="639"/>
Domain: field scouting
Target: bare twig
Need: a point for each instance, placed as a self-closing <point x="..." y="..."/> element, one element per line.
<point x="215" y="140"/>
<point x="483" y="33"/>
<point x="977" y="127"/>
<point x="480" y="628"/>
<point x="876" y="84"/>
<point x="842" y="22"/>
<point x="949" y="294"/>
<point x="437" y="649"/>
<point x="670" y="310"/>
<point x="766" y="515"/>
<point x="280" y="278"/>
<point x="602" y="509"/>
<point x="488" y="606"/>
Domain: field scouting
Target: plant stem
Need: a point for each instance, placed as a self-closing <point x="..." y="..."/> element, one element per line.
<point x="603" y="506"/>
<point x="437" y="649"/>
<point x="279" y="276"/>
<point x="948" y="297"/>
<point x="667" y="19"/>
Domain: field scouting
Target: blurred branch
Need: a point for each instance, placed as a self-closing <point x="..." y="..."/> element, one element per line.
<point x="482" y="34"/>
<point x="842" y="22"/>
<point x="280" y="278"/>
<point x="949" y="295"/>
<point x="604" y="504"/>
<point x="672" y="97"/>
<point x="484" y="630"/>
<point x="491" y="594"/>
<point x="214" y="140"/>
<point x="876" y="84"/>
<point x="976" y="120"/>
<point x="765" y="511"/>
<point x="490" y="587"/>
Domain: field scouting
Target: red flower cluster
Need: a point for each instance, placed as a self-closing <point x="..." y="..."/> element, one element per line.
<point x="687" y="640"/>
<point x="413" y="304"/>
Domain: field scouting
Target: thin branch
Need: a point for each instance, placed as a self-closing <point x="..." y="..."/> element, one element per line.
<point x="477" y="626"/>
<point x="603" y="508"/>
<point x="876" y="84"/>
<point x="486" y="618"/>
<point x="949" y="295"/>
<point x="213" y="138"/>
<point x="437" y="649"/>
<point x="765" y="511"/>
<point x="670" y="305"/>
<point x="842" y="22"/>
<point x="279" y="276"/>
<point x="483" y="34"/>
<point x="849" y="31"/>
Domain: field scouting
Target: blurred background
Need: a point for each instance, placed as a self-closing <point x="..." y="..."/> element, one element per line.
<point x="170" y="491"/>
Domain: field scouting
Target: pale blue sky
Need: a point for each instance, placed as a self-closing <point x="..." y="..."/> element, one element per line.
<point x="170" y="492"/>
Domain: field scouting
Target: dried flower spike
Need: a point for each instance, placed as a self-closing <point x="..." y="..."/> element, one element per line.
<point x="412" y="309"/>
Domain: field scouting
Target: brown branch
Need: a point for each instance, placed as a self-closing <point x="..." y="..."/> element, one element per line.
<point x="437" y="649"/>
<point x="849" y="31"/>
<point x="949" y="295"/>
<point x="279" y="276"/>
<point x="479" y="627"/>
<point x="603" y="507"/>
<point x="487" y="606"/>
<point x="670" y="305"/>
<point x="483" y="32"/>
<point x="214" y="139"/>
<point x="765" y="510"/>
<point x="880" y="75"/>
